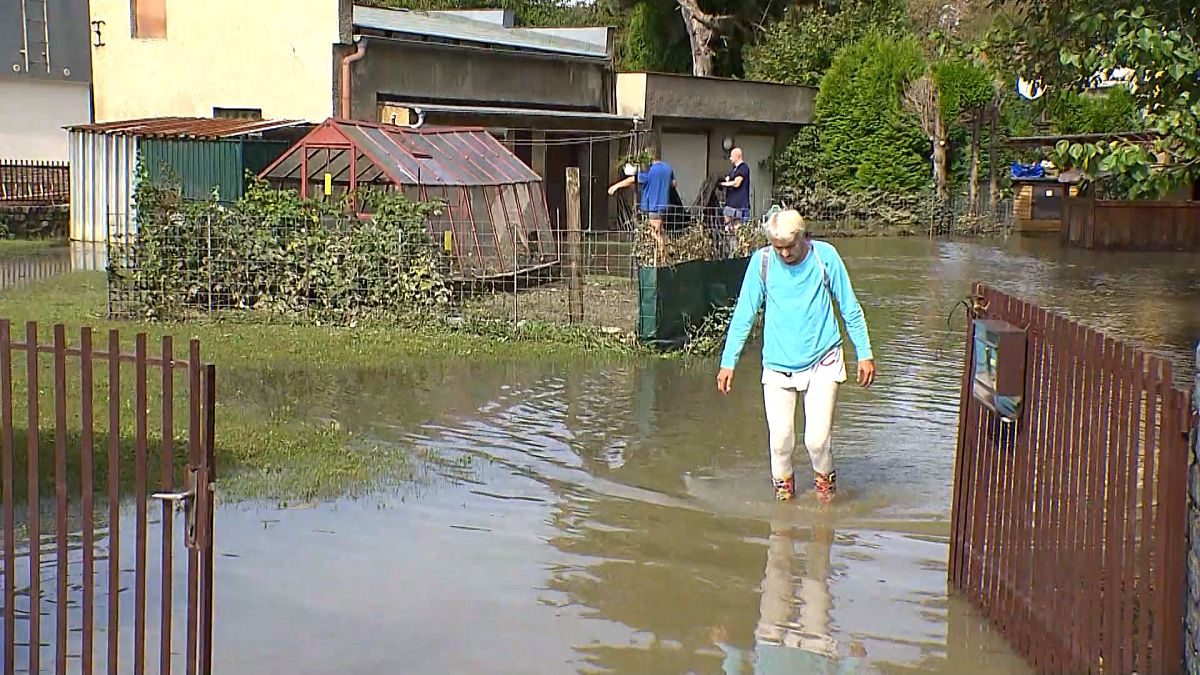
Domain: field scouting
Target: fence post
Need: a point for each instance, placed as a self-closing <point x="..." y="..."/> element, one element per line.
<point x="574" y="241"/>
<point x="1192" y="620"/>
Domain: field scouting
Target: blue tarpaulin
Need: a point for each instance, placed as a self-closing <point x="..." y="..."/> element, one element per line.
<point x="1020" y="170"/>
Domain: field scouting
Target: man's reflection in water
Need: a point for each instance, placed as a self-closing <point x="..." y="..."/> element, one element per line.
<point x="793" y="633"/>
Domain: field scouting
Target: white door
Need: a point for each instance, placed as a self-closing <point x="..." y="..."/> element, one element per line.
<point x="688" y="156"/>
<point x="757" y="153"/>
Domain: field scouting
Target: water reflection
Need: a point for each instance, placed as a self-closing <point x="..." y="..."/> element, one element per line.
<point x="19" y="269"/>
<point x="602" y="518"/>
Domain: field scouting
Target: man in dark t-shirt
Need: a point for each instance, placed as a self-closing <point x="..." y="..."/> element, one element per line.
<point x="737" y="191"/>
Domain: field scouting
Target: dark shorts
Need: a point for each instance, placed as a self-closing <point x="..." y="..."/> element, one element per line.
<point x="737" y="214"/>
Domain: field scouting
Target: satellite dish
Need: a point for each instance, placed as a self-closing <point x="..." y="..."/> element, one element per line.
<point x="1029" y="90"/>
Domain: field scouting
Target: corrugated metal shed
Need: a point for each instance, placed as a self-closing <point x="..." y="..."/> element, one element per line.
<point x="446" y="27"/>
<point x="202" y="153"/>
<point x="186" y="127"/>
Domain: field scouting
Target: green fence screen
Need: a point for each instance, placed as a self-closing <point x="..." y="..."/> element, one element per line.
<point x="673" y="299"/>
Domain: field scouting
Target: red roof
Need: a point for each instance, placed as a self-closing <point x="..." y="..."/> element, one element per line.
<point x="185" y="127"/>
<point x="423" y="156"/>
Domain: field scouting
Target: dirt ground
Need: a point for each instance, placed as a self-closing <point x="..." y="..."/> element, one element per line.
<point x="608" y="302"/>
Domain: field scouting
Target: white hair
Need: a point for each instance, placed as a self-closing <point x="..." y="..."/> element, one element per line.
<point x="786" y="226"/>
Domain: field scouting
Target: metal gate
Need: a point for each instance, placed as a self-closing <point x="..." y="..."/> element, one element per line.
<point x="1069" y="522"/>
<point x="82" y="596"/>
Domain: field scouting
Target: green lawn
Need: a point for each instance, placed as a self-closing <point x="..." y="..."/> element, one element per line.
<point x="286" y="451"/>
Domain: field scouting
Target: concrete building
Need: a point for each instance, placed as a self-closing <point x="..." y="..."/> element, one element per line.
<point x="45" y="77"/>
<point x="547" y="93"/>
<point x="551" y="95"/>
<point x="695" y="121"/>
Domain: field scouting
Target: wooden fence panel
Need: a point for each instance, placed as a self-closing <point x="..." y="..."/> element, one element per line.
<point x="1069" y="523"/>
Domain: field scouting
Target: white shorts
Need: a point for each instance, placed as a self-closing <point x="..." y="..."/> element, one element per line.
<point x="831" y="368"/>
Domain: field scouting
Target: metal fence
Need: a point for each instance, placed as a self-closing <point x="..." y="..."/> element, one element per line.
<point x="1069" y="525"/>
<point x="32" y="183"/>
<point x="69" y="567"/>
<point x="346" y="270"/>
<point x="870" y="213"/>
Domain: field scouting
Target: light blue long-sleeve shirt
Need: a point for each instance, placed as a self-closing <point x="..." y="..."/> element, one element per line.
<point x="800" y="326"/>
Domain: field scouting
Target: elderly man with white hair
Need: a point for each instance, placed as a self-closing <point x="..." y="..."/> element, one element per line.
<point x="799" y="279"/>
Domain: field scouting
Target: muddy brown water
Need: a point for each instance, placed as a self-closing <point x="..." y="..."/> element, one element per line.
<point x="618" y="518"/>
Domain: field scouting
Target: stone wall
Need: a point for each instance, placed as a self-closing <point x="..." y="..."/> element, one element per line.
<point x="1192" y="642"/>
<point x="28" y="222"/>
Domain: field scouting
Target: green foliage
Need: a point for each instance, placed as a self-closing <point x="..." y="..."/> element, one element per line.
<point x="866" y="140"/>
<point x="1066" y="44"/>
<point x="800" y="47"/>
<point x="653" y="40"/>
<point x="277" y="253"/>
<point x="1110" y="112"/>
<point x="798" y="165"/>
<point x="963" y="88"/>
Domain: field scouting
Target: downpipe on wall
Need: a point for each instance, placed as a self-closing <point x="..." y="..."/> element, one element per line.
<point x="360" y="52"/>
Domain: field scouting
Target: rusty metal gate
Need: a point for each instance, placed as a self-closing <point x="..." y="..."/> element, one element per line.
<point x="82" y="596"/>
<point x="1069" y="521"/>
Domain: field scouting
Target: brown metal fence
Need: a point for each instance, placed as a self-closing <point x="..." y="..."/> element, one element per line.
<point x="1069" y="524"/>
<point x="51" y="460"/>
<point x="34" y="183"/>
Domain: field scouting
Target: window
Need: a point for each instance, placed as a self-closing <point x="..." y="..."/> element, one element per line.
<point x="238" y="113"/>
<point x="149" y="19"/>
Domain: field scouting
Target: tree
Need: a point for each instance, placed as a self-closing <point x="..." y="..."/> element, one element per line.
<point x="716" y="29"/>
<point x="799" y="47"/>
<point x="966" y="94"/>
<point x="867" y="140"/>
<point x="922" y="102"/>
<point x="1069" y="45"/>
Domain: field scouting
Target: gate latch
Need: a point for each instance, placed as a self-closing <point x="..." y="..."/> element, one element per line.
<point x="188" y="498"/>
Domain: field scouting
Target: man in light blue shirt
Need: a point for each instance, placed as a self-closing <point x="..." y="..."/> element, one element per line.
<point x="799" y="280"/>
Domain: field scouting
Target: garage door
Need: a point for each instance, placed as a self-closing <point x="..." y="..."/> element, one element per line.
<point x="688" y="155"/>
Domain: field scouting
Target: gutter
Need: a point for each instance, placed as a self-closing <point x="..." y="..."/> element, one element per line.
<point x="358" y="54"/>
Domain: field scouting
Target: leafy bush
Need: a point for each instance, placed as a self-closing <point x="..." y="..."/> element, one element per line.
<point x="1112" y="112"/>
<point x="867" y="141"/>
<point x="800" y="47"/>
<point x="274" y="252"/>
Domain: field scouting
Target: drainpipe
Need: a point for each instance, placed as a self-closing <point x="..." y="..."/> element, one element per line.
<point x="358" y="54"/>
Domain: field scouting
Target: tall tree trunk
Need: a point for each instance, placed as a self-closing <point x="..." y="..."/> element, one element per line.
<point x="701" y="30"/>
<point x="973" y="188"/>
<point x="993" y="175"/>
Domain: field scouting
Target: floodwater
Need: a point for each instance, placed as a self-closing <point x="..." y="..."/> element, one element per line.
<point x="619" y="518"/>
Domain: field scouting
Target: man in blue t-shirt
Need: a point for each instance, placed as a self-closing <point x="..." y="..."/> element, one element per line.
<point x="737" y="191"/>
<point x="656" y="182"/>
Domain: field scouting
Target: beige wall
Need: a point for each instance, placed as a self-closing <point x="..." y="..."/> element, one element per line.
<point x="631" y="94"/>
<point x="276" y="55"/>
<point x="33" y="114"/>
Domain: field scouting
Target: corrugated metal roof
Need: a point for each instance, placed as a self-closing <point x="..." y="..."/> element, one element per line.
<point x="185" y="127"/>
<point x="450" y="156"/>
<point x="523" y="112"/>
<point x="458" y="28"/>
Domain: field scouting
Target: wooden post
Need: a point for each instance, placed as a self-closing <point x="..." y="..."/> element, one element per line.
<point x="574" y="246"/>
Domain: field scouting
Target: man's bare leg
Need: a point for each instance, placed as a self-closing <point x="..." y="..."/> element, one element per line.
<point x="656" y="231"/>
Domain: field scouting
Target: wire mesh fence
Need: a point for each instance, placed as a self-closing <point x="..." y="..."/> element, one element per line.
<point x="206" y="259"/>
<point x="344" y="270"/>
<point x="872" y="213"/>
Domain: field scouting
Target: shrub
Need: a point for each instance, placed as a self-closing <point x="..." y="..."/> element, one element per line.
<point x="866" y="140"/>
<point x="276" y="253"/>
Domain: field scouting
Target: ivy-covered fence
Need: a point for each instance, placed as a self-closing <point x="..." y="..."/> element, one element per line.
<point x="276" y="254"/>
